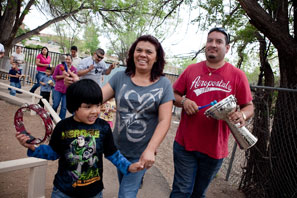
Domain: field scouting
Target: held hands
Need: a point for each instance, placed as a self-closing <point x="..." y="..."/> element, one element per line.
<point x="135" y="167"/>
<point x="190" y="107"/>
<point x="147" y="158"/>
<point x="22" y="138"/>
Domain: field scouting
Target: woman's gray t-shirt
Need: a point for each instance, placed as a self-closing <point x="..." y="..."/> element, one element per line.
<point x="137" y="112"/>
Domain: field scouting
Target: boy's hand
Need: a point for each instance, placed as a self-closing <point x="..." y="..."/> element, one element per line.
<point x="22" y="138"/>
<point x="135" y="167"/>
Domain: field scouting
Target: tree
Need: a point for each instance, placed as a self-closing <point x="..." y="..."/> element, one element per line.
<point x="91" y="38"/>
<point x="277" y="21"/>
<point x="67" y="35"/>
<point x="13" y="13"/>
<point x="147" y="18"/>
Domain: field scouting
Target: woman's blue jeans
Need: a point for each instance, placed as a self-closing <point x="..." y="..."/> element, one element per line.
<point x="193" y="172"/>
<point x="129" y="184"/>
<point x="57" y="98"/>
<point x="38" y="77"/>
<point x="56" y="193"/>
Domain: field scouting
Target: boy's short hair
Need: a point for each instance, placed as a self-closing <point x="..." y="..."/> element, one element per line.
<point x="83" y="91"/>
<point x="48" y="68"/>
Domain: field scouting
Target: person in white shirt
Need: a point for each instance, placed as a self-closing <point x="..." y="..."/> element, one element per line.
<point x="93" y="67"/>
<point x="18" y="57"/>
<point x="75" y="59"/>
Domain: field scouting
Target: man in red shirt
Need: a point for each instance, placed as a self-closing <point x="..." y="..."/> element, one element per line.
<point x="201" y="143"/>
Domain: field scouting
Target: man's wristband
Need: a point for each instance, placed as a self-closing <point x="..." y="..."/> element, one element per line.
<point x="183" y="101"/>
<point x="243" y="115"/>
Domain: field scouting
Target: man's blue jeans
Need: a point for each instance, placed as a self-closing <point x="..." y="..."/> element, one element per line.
<point x="56" y="193"/>
<point x="129" y="184"/>
<point x="59" y="97"/>
<point x="193" y="172"/>
<point x="38" y="77"/>
<point x="14" y="84"/>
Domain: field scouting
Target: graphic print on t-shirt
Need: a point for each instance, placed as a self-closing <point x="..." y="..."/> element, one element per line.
<point x="83" y="161"/>
<point x="135" y="111"/>
<point x="204" y="86"/>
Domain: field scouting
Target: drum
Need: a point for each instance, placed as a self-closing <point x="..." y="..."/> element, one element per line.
<point x="220" y="111"/>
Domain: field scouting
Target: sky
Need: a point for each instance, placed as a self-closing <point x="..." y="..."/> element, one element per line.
<point x="186" y="39"/>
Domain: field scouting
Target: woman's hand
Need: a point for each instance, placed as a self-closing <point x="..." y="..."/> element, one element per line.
<point x="147" y="158"/>
<point x="69" y="78"/>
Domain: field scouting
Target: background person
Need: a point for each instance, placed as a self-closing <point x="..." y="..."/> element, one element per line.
<point x="2" y="50"/>
<point x="46" y="82"/>
<point x="75" y="58"/>
<point x="201" y="143"/>
<point x="93" y="67"/>
<point x="59" y="93"/>
<point x="43" y="61"/>
<point x="18" y="57"/>
<point x="79" y="143"/>
<point x="14" y="74"/>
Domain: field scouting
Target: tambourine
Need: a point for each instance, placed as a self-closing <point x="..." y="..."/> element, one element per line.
<point x="44" y="115"/>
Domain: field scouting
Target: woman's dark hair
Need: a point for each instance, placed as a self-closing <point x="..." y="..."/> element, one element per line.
<point x="46" y="52"/>
<point x="158" y="66"/>
<point x="83" y="91"/>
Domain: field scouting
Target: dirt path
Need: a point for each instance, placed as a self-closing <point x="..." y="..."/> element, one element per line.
<point x="14" y="184"/>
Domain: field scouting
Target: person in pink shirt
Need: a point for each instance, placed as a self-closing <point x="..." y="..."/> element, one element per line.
<point x="59" y="93"/>
<point x="43" y="61"/>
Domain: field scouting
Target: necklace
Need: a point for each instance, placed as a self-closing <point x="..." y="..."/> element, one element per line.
<point x="211" y="71"/>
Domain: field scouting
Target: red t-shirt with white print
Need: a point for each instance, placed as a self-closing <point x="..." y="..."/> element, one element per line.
<point x="197" y="132"/>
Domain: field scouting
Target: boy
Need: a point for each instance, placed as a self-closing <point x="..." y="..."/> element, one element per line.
<point x="15" y="74"/>
<point x="79" y="142"/>
<point x="47" y="82"/>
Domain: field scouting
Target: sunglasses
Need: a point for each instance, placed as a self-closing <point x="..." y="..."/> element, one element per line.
<point x="100" y="57"/>
<point x="222" y="30"/>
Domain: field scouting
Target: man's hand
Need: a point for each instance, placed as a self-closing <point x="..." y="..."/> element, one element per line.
<point x="237" y="117"/>
<point x="190" y="107"/>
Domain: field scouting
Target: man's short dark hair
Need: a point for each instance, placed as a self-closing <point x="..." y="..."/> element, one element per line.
<point x="83" y="91"/>
<point x="100" y="51"/>
<point x="222" y="30"/>
<point x="74" y="48"/>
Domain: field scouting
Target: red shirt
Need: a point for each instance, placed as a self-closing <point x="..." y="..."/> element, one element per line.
<point x="197" y="132"/>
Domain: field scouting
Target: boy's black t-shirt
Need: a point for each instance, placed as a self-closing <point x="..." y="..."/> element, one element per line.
<point x="81" y="167"/>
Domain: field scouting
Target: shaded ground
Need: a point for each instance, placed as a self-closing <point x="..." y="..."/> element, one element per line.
<point x="14" y="184"/>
